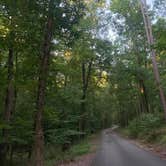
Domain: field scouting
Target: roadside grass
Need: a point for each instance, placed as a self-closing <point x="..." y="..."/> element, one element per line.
<point x="161" y="136"/>
<point x="148" y="129"/>
<point x="157" y="136"/>
<point x="55" y="156"/>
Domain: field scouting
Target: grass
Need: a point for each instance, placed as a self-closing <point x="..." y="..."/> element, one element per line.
<point x="54" y="155"/>
<point x="157" y="136"/>
<point x="149" y="128"/>
<point x="80" y="149"/>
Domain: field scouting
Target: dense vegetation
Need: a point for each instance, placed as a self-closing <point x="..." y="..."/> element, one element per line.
<point x="69" y="68"/>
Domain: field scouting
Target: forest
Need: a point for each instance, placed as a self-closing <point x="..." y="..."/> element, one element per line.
<point x="71" y="68"/>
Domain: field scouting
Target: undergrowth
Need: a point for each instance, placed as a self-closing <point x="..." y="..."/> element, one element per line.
<point x="55" y="155"/>
<point x="148" y="127"/>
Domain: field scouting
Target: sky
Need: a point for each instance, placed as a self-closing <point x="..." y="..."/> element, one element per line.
<point x="150" y="2"/>
<point x="112" y="35"/>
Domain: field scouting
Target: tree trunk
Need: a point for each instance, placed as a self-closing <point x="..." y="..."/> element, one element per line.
<point x="9" y="103"/>
<point x="148" y="28"/>
<point x="38" y="153"/>
<point x="143" y="98"/>
<point x="9" y="107"/>
<point x="85" y="83"/>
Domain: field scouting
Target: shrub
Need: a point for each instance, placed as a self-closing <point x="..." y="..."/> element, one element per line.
<point x="134" y="128"/>
<point x="145" y="126"/>
<point x="163" y="140"/>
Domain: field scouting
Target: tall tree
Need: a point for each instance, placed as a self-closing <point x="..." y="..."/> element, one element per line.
<point x="43" y="73"/>
<point x="86" y="75"/>
<point x="150" y="39"/>
<point x="9" y="104"/>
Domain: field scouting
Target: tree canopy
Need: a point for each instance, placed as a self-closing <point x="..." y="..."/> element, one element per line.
<point x="69" y="68"/>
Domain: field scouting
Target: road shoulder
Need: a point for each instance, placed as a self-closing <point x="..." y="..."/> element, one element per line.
<point x="157" y="149"/>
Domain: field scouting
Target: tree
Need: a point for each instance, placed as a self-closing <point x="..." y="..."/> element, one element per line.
<point x="150" y="39"/>
<point x="10" y="45"/>
<point x="43" y="73"/>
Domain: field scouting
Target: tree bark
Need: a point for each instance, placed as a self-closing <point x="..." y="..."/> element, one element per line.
<point x="85" y="83"/>
<point x="9" y="106"/>
<point x="143" y="97"/>
<point x="9" y="102"/>
<point x="38" y="153"/>
<point x="150" y="39"/>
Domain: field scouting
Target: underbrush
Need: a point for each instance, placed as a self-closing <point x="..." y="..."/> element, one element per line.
<point x="148" y="127"/>
<point x="55" y="155"/>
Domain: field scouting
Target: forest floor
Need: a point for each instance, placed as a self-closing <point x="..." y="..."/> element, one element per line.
<point x="85" y="160"/>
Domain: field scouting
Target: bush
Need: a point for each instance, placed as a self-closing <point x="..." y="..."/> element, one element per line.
<point x="134" y="128"/>
<point x="54" y="155"/>
<point x="163" y="140"/>
<point x="80" y="149"/>
<point x="145" y="126"/>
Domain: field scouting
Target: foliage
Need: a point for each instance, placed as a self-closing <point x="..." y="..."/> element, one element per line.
<point x="55" y="155"/>
<point x="145" y="126"/>
<point x="99" y="73"/>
